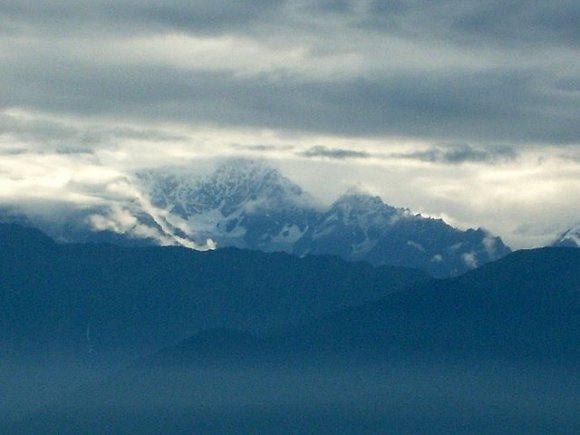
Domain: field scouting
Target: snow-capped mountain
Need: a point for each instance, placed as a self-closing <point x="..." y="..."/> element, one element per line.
<point x="243" y="203"/>
<point x="362" y="227"/>
<point x="234" y="185"/>
<point x="570" y="238"/>
<point x="249" y="204"/>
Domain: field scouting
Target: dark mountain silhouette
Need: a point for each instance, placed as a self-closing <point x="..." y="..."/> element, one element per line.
<point x="72" y="313"/>
<point x="494" y="351"/>
<point x="96" y="299"/>
<point x="525" y="307"/>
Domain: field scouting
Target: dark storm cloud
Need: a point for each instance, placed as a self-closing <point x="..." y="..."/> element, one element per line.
<point x="462" y="21"/>
<point x="548" y="22"/>
<point x="133" y="16"/>
<point x="441" y="153"/>
<point x="479" y="22"/>
<point x="497" y="102"/>
<point x="334" y="153"/>
<point x="490" y="106"/>
<point x="63" y="138"/>
<point x="462" y="153"/>
<point x="24" y="130"/>
<point x="568" y="84"/>
<point x="262" y="148"/>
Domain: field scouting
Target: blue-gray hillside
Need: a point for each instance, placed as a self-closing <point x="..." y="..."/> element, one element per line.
<point x="524" y="308"/>
<point x="496" y="350"/>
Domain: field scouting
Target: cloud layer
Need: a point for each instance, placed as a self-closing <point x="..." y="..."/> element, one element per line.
<point x="434" y="92"/>
<point x="445" y="71"/>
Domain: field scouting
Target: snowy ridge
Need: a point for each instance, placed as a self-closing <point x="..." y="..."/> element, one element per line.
<point x="251" y="205"/>
<point x="570" y="238"/>
<point x="243" y="203"/>
<point x="235" y="184"/>
<point x="362" y="227"/>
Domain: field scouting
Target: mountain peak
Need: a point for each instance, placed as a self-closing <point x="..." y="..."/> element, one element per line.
<point x="240" y="182"/>
<point x="240" y="168"/>
<point x="570" y="238"/>
<point x="249" y="204"/>
<point x="233" y="185"/>
<point x="356" y="199"/>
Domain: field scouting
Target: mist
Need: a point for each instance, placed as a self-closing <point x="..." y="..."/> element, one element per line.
<point x="334" y="397"/>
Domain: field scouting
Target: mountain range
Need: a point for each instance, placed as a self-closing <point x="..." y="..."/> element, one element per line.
<point x="70" y="313"/>
<point x="380" y="350"/>
<point x="251" y="205"/>
<point x="286" y="316"/>
<point x="97" y="300"/>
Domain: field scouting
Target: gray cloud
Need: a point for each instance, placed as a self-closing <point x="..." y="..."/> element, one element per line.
<point x="499" y="101"/>
<point x="441" y="153"/>
<point x="572" y="156"/>
<point x="459" y="21"/>
<point x="46" y="135"/>
<point x="133" y="16"/>
<point x="151" y="84"/>
<point x="262" y="147"/>
<point x="475" y="22"/>
<point x="462" y="153"/>
<point x="334" y="153"/>
<point x="487" y="106"/>
<point x="547" y="22"/>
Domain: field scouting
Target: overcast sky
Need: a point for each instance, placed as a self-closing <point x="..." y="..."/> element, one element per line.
<point x="463" y="109"/>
